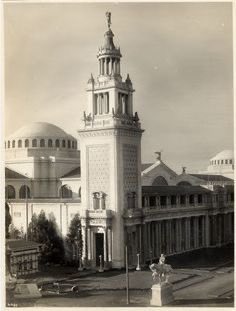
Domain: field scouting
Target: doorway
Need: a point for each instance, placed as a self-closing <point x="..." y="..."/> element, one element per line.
<point x="99" y="247"/>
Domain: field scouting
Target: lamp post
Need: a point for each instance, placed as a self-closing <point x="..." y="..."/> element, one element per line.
<point x="26" y="206"/>
<point x="138" y="268"/>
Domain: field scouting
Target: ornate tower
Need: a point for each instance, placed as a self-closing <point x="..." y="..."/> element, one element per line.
<point x="110" y="145"/>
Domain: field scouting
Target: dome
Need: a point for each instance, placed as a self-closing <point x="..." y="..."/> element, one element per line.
<point x="225" y="154"/>
<point x="40" y="129"/>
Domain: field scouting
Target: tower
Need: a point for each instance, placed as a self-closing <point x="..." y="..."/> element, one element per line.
<point x="110" y="146"/>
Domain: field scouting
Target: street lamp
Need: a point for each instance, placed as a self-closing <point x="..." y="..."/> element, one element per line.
<point x="138" y="268"/>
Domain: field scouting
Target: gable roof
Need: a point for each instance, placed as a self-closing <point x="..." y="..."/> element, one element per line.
<point x="75" y="173"/>
<point x="211" y="177"/>
<point x="14" y="175"/>
<point x="144" y="166"/>
<point x="173" y="190"/>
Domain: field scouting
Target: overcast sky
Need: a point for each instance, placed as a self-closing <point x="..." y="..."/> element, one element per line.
<point x="178" y="55"/>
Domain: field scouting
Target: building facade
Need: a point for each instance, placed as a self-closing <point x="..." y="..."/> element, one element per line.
<point x="149" y="208"/>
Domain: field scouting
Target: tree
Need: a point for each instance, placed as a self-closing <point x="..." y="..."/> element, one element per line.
<point x="45" y="232"/>
<point x="74" y="236"/>
<point x="8" y="220"/>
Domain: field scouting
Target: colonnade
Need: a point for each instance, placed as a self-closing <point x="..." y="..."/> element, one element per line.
<point x="173" y="236"/>
<point x="109" y="66"/>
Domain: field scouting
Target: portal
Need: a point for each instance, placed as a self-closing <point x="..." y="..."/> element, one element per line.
<point x="99" y="248"/>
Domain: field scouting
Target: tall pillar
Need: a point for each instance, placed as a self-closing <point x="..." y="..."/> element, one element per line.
<point x="148" y="239"/>
<point x="140" y="242"/>
<point x="196" y="233"/>
<point x="168" y="238"/>
<point x="187" y="233"/>
<point x="207" y="231"/>
<point x="89" y="243"/>
<point x="84" y="238"/>
<point x="109" y="238"/>
<point x="105" y="245"/>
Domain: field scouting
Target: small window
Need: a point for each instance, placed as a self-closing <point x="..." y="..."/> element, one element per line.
<point x="152" y="201"/>
<point x="173" y="200"/>
<point x="218" y="161"/>
<point x="26" y="143"/>
<point x="191" y="199"/>
<point x="222" y="161"/>
<point x="20" y="143"/>
<point x="182" y="199"/>
<point x="73" y="144"/>
<point x="42" y="143"/>
<point x="226" y="161"/>
<point x="163" y="200"/>
<point x="199" y="198"/>
<point x="143" y="201"/>
<point x="69" y="143"/>
<point x="13" y="144"/>
<point x="63" y="143"/>
<point x="50" y="143"/>
<point x="34" y="143"/>
<point x="231" y="161"/>
<point x="57" y="143"/>
<point x="9" y="144"/>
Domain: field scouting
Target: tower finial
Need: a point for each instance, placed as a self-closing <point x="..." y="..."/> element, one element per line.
<point x="108" y="16"/>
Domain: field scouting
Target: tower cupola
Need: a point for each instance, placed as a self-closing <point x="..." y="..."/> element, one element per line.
<point x="109" y="55"/>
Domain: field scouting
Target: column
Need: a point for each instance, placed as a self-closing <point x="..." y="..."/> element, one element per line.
<point x="153" y="240"/>
<point x="84" y="238"/>
<point x="148" y="239"/>
<point x="219" y="224"/>
<point x="187" y="233"/>
<point x="110" y="66"/>
<point x="207" y="231"/>
<point x="140" y="243"/>
<point x="196" y="220"/>
<point x="167" y="237"/>
<point x="178" y="235"/>
<point x="89" y="243"/>
<point x="105" y="245"/>
<point x="109" y="238"/>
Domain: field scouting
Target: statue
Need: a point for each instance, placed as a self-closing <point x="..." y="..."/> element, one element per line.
<point x="160" y="271"/>
<point x="108" y="16"/>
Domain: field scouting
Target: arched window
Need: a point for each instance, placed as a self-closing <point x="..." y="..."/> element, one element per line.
<point x="10" y="192"/>
<point x="26" y="143"/>
<point x="184" y="183"/>
<point x="68" y="142"/>
<point x="63" y="143"/>
<point x="9" y="144"/>
<point x="24" y="192"/>
<point x="34" y="143"/>
<point x="57" y="143"/>
<point x="42" y="143"/>
<point x="160" y="181"/>
<point x="65" y="192"/>
<point x="13" y="144"/>
<point x="50" y="143"/>
<point x="20" y="143"/>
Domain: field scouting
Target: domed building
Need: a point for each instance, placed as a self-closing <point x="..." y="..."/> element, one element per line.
<point x="222" y="164"/>
<point x="38" y="156"/>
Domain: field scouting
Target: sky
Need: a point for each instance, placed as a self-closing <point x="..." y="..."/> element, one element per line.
<point x="178" y="55"/>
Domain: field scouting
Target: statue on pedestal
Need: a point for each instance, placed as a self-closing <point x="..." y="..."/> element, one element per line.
<point x="162" y="290"/>
<point x="160" y="271"/>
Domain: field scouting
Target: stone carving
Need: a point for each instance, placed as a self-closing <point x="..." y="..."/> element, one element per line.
<point x="160" y="271"/>
<point x="98" y="159"/>
<point x="130" y="158"/>
<point x="88" y="117"/>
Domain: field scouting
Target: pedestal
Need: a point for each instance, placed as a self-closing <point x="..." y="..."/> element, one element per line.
<point x="162" y="294"/>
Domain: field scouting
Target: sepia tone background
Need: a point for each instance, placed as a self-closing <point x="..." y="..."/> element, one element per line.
<point x="178" y="55"/>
